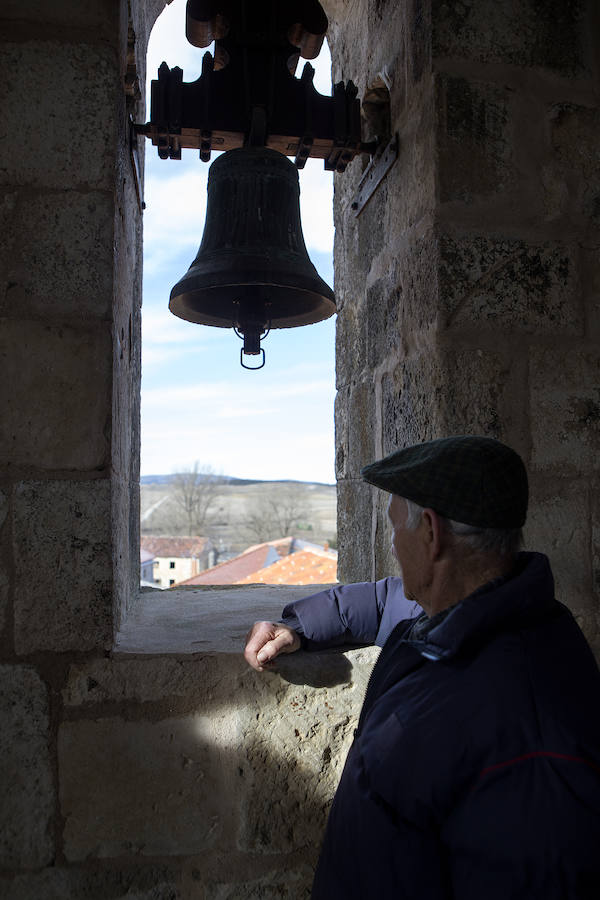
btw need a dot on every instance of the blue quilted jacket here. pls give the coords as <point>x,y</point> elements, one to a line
<point>363,613</point>
<point>475,769</point>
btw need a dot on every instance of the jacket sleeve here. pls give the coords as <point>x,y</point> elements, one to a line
<point>345,614</point>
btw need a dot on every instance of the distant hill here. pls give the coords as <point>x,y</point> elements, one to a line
<point>223,479</point>
<point>230,479</point>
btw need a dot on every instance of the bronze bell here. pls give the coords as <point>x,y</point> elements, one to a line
<point>252,271</point>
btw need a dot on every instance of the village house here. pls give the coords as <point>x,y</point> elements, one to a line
<point>147,568</point>
<point>176,558</point>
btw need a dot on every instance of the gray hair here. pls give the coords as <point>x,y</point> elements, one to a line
<point>502,541</point>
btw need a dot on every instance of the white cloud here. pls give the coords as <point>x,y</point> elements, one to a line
<point>169,44</point>
<point>160,326</point>
<point>249,450</point>
<point>316,206</point>
<point>174,217</point>
<point>246,395</point>
<point>244,412</point>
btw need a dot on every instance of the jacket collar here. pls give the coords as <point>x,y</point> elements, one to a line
<point>525,596</point>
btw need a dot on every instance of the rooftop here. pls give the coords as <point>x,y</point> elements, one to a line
<point>175,547</point>
<point>303,567</point>
<point>251,560</point>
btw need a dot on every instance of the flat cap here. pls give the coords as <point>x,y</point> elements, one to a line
<point>469,478</point>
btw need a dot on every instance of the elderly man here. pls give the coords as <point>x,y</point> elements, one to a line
<point>475,768</point>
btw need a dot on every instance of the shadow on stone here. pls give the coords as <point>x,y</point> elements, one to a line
<point>327,668</point>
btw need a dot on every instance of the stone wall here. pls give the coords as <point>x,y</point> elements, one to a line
<point>468,286</point>
<point>172,769</point>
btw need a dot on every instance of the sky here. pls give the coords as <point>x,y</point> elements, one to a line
<point>198,404</point>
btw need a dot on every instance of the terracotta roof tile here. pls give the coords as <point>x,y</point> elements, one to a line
<point>283,545</point>
<point>175,547</point>
<point>303,567</point>
<point>230,571</point>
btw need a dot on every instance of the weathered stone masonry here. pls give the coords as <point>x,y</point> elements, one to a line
<point>468,293</point>
<point>468,286</point>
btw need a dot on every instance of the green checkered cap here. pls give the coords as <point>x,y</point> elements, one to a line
<point>468,478</point>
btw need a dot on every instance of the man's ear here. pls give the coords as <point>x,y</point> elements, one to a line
<point>433,533</point>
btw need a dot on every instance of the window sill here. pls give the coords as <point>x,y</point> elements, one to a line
<point>202,620</point>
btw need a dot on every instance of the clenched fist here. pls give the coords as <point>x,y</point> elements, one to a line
<point>266,640</point>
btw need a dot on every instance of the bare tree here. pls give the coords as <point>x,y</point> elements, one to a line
<point>277,514</point>
<point>195,490</point>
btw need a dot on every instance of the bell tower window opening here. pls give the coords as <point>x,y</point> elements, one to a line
<point>197,404</point>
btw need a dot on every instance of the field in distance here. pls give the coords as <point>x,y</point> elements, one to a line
<point>240,513</point>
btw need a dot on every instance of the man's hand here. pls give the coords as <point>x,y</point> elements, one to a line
<point>266,640</point>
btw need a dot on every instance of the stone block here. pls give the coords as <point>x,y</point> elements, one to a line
<point>442,392</point>
<point>4,580</point>
<point>558,524</point>
<point>516,32</point>
<point>412,187</point>
<point>67,130</point>
<point>62,257</point>
<point>474,393</point>
<point>382,321</point>
<point>574,139</point>
<point>8,201</point>
<point>350,345</point>
<point>341,433</point>
<point>407,414</point>
<point>4,600</point>
<point>292,746</point>
<point>507,283</point>
<point>565,404</point>
<point>62,377</point>
<point>385,562</point>
<point>355,562</point>
<point>153,679</point>
<point>397,310</point>
<point>3,508</point>
<point>371,231</point>
<point>418,42</point>
<point>280,884</point>
<point>150,882</point>
<point>28,803</point>
<point>62,552</point>
<point>415,274</point>
<point>590,282</point>
<point>361,426</point>
<point>149,788</point>
<point>474,146</point>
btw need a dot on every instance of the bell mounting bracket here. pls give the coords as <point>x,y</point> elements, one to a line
<point>257,47</point>
<point>374,174</point>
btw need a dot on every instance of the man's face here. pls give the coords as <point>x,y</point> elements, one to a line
<point>406,547</point>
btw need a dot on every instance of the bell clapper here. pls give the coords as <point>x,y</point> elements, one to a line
<point>250,327</point>
<point>252,368</point>
<point>251,336</point>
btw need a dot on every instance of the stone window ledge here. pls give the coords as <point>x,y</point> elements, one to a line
<point>202,620</point>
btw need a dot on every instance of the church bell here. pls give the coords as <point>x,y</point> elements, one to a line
<point>252,271</point>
